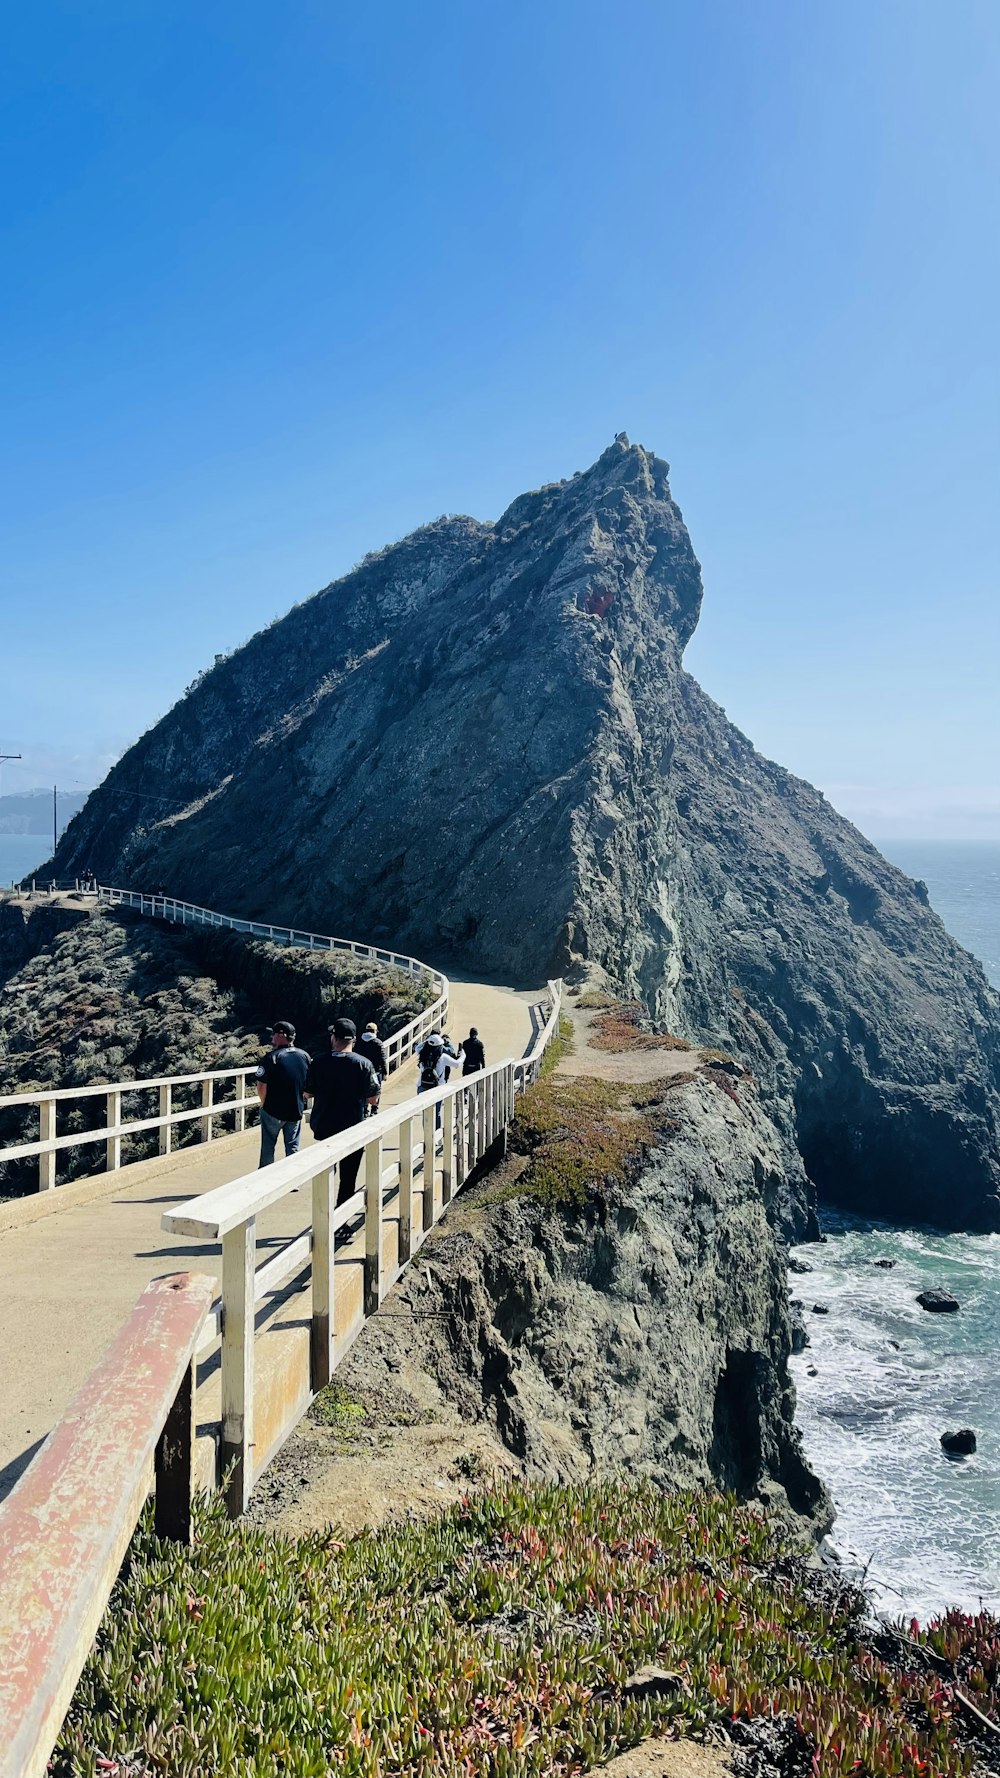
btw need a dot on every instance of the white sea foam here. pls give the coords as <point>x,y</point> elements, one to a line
<point>890,1379</point>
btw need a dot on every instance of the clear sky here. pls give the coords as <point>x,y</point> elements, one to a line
<point>282,281</point>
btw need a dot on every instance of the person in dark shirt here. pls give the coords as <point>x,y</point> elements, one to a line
<point>373,1051</point>
<point>474,1052</point>
<point>343,1085</point>
<point>281,1087</point>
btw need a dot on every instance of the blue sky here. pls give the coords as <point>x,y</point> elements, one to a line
<point>283,281</point>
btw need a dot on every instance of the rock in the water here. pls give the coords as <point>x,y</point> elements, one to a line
<point>886,1265</point>
<point>798,1265</point>
<point>811,1371</point>
<point>959,1444</point>
<point>821,1308</point>
<point>938,1302</point>
<point>800,1338</point>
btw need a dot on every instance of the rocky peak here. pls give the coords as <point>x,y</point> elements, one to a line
<point>612,535</point>
<point>489,754</point>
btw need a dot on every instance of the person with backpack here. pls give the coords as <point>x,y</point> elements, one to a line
<point>281,1089</point>
<point>431,1068</point>
<point>473,1052</point>
<point>430,1063</point>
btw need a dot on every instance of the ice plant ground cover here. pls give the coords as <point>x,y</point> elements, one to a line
<point>499,1639</point>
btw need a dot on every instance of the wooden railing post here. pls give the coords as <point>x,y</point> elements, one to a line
<point>448,1156</point>
<point>241,1093</point>
<point>47,1133</point>
<point>461,1101</point>
<point>113,1145</point>
<point>207,1099</point>
<point>239,1248</point>
<point>166,1131</point>
<point>472,1154</point>
<point>174,1465</point>
<point>429,1136</point>
<point>324,1248</point>
<point>373,1225</point>
<point>405,1188</point>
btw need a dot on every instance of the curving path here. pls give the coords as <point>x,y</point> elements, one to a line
<point>73,1262</point>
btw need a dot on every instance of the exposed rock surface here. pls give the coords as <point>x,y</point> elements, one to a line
<point>959,1444</point>
<point>646,1329</point>
<point>939,1302</point>
<point>485,749</point>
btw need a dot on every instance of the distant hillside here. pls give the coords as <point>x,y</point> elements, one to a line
<point>30,811</point>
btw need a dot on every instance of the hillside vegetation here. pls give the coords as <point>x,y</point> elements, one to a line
<point>509,1636</point>
<point>116,996</point>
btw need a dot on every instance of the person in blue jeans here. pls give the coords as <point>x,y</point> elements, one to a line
<point>281,1081</point>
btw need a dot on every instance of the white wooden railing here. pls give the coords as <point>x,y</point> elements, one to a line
<point>243,1098</point>
<point>65,1526</point>
<point>411,1172</point>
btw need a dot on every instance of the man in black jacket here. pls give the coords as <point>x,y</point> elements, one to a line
<point>281,1089</point>
<point>344,1086</point>
<point>373,1051</point>
<point>474,1052</point>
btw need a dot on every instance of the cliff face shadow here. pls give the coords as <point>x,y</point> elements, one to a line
<point>735,1454</point>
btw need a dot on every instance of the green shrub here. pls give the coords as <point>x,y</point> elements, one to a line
<point>341,1410</point>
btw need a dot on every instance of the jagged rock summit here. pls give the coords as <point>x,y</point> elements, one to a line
<point>481,745</point>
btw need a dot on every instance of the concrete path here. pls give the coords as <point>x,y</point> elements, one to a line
<point>73,1261</point>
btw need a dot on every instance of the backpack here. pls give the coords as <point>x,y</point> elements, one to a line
<point>429,1057</point>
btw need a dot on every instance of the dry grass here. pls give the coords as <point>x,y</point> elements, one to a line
<point>582,1138</point>
<point>620,1027</point>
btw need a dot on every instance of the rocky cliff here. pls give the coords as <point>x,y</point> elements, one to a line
<point>639,1322</point>
<point>483,746</point>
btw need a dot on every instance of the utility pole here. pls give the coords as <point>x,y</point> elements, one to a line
<point>55,823</point>
<point>3,757</point>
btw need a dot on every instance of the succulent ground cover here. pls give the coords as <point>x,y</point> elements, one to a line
<point>501,1639</point>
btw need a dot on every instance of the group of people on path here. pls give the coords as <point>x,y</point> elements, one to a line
<point>344,1085</point>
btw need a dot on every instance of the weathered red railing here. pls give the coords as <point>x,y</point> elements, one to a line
<point>65,1526</point>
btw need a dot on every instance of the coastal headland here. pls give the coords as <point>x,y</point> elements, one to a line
<point>487,751</point>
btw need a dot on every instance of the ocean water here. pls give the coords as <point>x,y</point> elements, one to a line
<point>889,1377</point>
<point>20,853</point>
<point>963,881</point>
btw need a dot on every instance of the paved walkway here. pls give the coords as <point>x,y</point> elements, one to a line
<point>73,1262</point>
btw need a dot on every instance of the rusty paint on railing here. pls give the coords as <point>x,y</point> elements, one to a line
<point>66,1524</point>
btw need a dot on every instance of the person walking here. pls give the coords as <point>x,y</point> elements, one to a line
<point>344,1086</point>
<point>474,1051</point>
<point>373,1051</point>
<point>452,1056</point>
<point>431,1063</point>
<point>281,1089</point>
